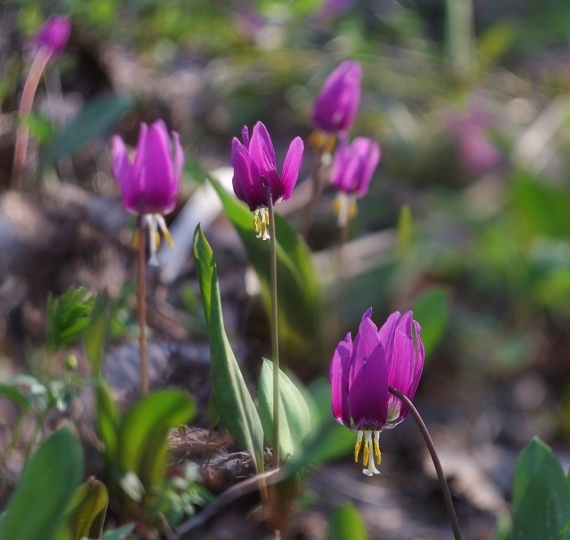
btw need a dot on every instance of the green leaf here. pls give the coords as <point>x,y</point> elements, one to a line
<point>95,334</point>
<point>405,231</point>
<point>143,433</point>
<point>299,291</point>
<point>432,310</point>
<point>294,413</point>
<point>98,116</point>
<point>107,421</point>
<point>17,396</point>
<point>345,523</point>
<point>88,508</point>
<point>37,507</point>
<point>233,402</point>
<point>118,534</point>
<point>541,498</point>
<point>67,316</point>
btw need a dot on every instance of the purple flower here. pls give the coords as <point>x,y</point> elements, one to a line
<point>361,372</point>
<point>476,152</point>
<point>54,34</point>
<point>335,106</point>
<point>352,170</point>
<point>150,184</point>
<point>255,170</point>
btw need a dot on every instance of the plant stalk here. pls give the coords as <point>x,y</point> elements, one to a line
<point>26,102</point>
<point>436,462</point>
<point>141,305</point>
<point>274,327</point>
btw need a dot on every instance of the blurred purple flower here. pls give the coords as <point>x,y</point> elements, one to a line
<point>150,184</point>
<point>255,170</point>
<point>476,152</point>
<point>332,9</point>
<point>352,170</point>
<point>53,35</point>
<point>361,372</point>
<point>335,106</point>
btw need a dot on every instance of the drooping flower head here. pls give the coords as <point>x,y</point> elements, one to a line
<point>335,106</point>
<point>352,170</point>
<point>54,34</point>
<point>361,372</point>
<point>150,184</point>
<point>256,176</point>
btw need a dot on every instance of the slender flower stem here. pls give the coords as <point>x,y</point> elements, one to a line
<point>274,326</point>
<point>437,464</point>
<point>26,102</point>
<point>141,304</point>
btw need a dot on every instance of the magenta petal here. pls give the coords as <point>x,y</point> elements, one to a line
<point>158,173</point>
<point>368,393</point>
<point>246,177</point>
<point>387,331</point>
<point>245,136</point>
<point>291,166</point>
<point>370,162</point>
<point>365,342</point>
<point>141,150</point>
<point>339,369</point>
<point>261,149</point>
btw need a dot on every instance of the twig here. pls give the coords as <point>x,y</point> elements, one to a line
<point>437,464</point>
<point>141,305</point>
<point>230,495</point>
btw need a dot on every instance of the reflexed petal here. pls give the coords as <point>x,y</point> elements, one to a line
<point>339,370</point>
<point>367,314</point>
<point>291,166</point>
<point>245,136</point>
<point>368,392</point>
<point>387,331</point>
<point>370,161</point>
<point>141,150</point>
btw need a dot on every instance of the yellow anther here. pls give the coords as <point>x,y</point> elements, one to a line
<point>157,239</point>
<point>366,454</point>
<point>263,229</point>
<point>266,218</point>
<point>168,238</point>
<point>321,141</point>
<point>352,209</point>
<point>357,449</point>
<point>136,239</point>
<point>377,452</point>
<point>256,224</point>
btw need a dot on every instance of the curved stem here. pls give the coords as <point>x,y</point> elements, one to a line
<point>435,458</point>
<point>274,327</point>
<point>26,102</point>
<point>141,305</point>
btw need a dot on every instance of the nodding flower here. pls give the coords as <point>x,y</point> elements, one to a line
<point>149,185</point>
<point>53,35</point>
<point>361,372</point>
<point>256,177</point>
<point>352,170</point>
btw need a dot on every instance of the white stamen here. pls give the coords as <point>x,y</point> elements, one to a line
<point>152,223</point>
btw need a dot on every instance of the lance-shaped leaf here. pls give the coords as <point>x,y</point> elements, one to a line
<point>232,399</point>
<point>298,289</point>
<point>88,508</point>
<point>95,333</point>
<point>37,507</point>
<point>294,412</point>
<point>541,498</point>
<point>143,433</point>
<point>345,523</point>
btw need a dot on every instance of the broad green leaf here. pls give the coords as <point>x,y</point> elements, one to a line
<point>95,333</point>
<point>88,508</point>
<point>107,421</point>
<point>37,507</point>
<point>233,402</point>
<point>143,433</point>
<point>299,291</point>
<point>431,310</point>
<point>98,116</point>
<point>541,498</point>
<point>67,316</point>
<point>16,395</point>
<point>345,523</point>
<point>294,412</point>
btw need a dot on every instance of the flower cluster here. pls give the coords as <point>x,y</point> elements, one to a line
<point>256,179</point>
<point>352,164</point>
<point>150,184</point>
<point>361,373</point>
